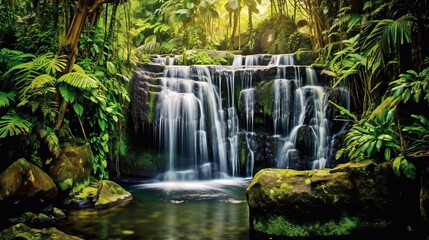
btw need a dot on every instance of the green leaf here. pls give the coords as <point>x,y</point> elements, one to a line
<point>68,94</point>
<point>78,109</point>
<point>345,111</point>
<point>11,125</point>
<point>102,124</point>
<point>408,168</point>
<point>396,165</point>
<point>387,154</point>
<point>111,67</point>
<point>5,98</point>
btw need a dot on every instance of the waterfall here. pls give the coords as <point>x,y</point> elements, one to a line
<point>205,117</point>
<point>166,60</point>
<point>249,60</point>
<point>300,109</point>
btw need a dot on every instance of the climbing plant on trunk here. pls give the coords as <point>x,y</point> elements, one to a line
<point>69,45</point>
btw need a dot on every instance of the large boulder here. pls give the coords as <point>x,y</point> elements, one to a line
<point>23,181</point>
<point>74,165</point>
<point>102,194</point>
<point>110,193</point>
<point>327,202</point>
<point>22,231</point>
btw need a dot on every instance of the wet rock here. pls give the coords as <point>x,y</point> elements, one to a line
<point>74,165</point>
<point>43,221</point>
<point>327,202</point>
<point>110,193</point>
<point>27,217</point>
<point>24,181</point>
<point>341,97</point>
<point>22,231</point>
<point>102,194</point>
<point>57,213</point>
<point>304,144</point>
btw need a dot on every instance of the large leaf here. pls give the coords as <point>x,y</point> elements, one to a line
<point>11,125</point>
<point>78,109</point>
<point>5,98</point>
<point>79,80</point>
<point>345,111</point>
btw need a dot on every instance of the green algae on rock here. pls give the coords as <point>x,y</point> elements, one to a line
<point>74,165</point>
<point>25,181</point>
<point>102,194</point>
<point>326,202</point>
<point>22,231</point>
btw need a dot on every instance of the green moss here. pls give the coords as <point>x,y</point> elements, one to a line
<point>154,81</point>
<point>306,57</point>
<point>277,225</point>
<point>66,184</point>
<point>265,94</point>
<point>243,155</point>
<point>151,104</point>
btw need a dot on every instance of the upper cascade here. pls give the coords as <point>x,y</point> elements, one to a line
<point>211,121</point>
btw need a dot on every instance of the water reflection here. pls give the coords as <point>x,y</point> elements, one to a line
<point>214,209</point>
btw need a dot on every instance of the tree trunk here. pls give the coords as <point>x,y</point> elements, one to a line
<point>70,44</point>
<point>234,29</point>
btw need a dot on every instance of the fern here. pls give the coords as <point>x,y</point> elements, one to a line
<point>5,98</point>
<point>51,139</point>
<point>78,78</point>
<point>56,65</point>
<point>11,125</point>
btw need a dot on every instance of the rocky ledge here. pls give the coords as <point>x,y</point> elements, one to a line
<point>351,198</point>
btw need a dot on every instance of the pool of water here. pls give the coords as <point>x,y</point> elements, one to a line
<point>214,209</point>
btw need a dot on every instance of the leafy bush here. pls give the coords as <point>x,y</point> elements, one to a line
<point>367,140</point>
<point>203,58</point>
<point>412,85</point>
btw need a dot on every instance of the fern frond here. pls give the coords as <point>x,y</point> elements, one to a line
<point>56,65</point>
<point>79,80</point>
<point>11,125</point>
<point>5,98</point>
<point>51,140</point>
<point>37,83</point>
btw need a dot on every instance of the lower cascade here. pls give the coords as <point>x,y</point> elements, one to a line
<point>231,121</point>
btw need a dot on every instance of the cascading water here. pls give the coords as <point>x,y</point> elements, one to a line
<point>205,117</point>
<point>166,60</point>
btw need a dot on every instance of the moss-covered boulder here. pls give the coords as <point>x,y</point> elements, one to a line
<point>24,181</point>
<point>306,57</point>
<point>327,202</point>
<point>110,193</point>
<point>74,165</point>
<point>22,231</point>
<point>102,194</point>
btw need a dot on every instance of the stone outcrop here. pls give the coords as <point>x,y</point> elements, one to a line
<point>24,181</point>
<point>22,231</point>
<point>74,165</point>
<point>328,202</point>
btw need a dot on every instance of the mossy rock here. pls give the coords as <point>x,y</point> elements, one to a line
<point>74,165</point>
<point>101,194</point>
<point>326,202</point>
<point>110,193</point>
<point>306,57</point>
<point>22,231</point>
<point>24,181</point>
